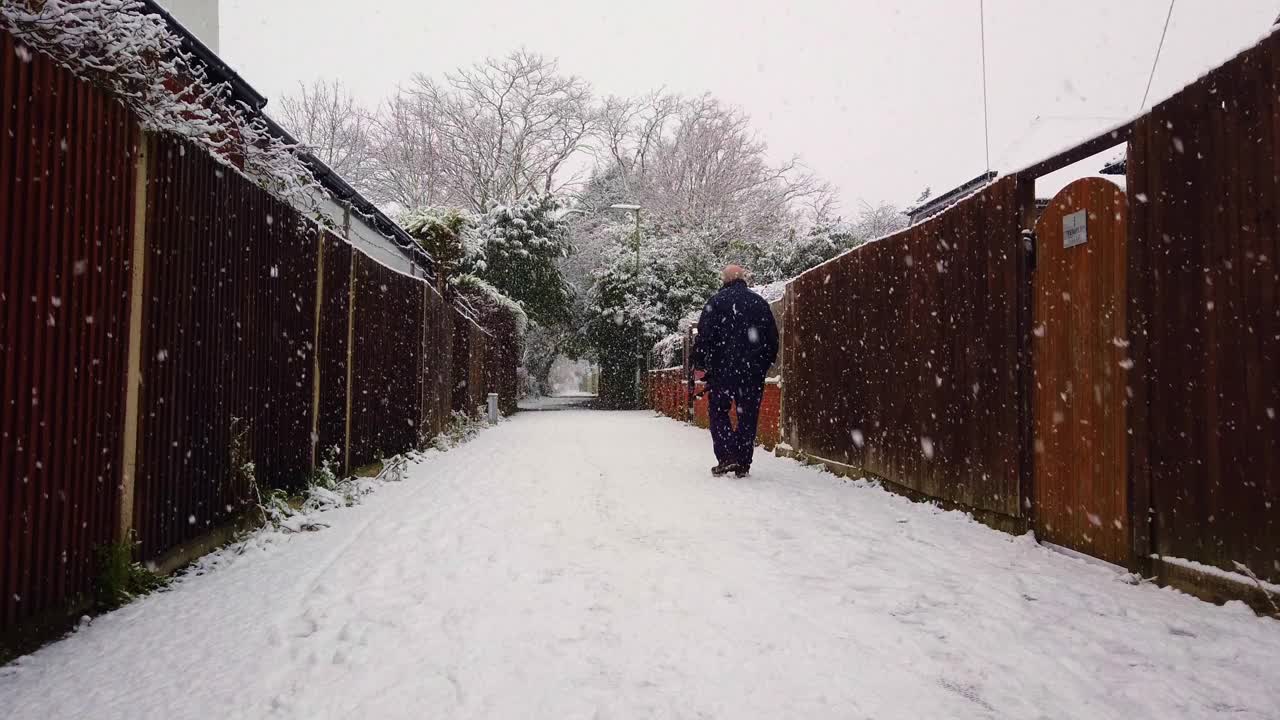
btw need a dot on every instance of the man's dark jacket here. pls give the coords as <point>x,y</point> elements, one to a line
<point>737,338</point>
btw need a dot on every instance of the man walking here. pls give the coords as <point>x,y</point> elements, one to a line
<point>737,342</point>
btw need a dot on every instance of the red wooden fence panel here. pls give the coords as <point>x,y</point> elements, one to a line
<point>334,320</point>
<point>228,332</point>
<point>902,355</point>
<point>228,327</point>
<point>502,360</point>
<point>477,377</point>
<point>460,392</point>
<point>386,378</point>
<point>1204,309</point>
<point>66,228</point>
<point>438,361</point>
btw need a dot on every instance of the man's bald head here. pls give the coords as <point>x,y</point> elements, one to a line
<point>732,273</point>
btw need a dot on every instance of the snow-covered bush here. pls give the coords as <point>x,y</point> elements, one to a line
<point>461,428</point>
<point>487,300</point>
<point>510,253</point>
<point>120,47</point>
<point>449,235</point>
<point>667,351</point>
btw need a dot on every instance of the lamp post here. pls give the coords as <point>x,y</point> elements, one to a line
<point>639,398</point>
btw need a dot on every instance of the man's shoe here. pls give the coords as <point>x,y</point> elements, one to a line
<point>724,469</point>
<point>741,470</point>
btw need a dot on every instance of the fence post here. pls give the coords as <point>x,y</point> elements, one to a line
<point>133,374</point>
<point>315,346</point>
<point>690,384</point>
<point>351,340</point>
<point>427,389</point>
<point>1024,246</point>
<point>1142,518</point>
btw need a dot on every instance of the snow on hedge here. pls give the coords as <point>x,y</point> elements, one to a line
<point>118,46</point>
<point>773,292</point>
<point>477,291</point>
<point>666,348</point>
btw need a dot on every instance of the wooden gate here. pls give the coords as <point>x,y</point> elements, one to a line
<point>1080,364</point>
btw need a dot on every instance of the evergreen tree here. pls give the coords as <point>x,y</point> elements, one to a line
<point>519,253</point>
<point>629,312</point>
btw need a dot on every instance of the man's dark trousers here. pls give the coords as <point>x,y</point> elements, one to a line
<point>735,446</point>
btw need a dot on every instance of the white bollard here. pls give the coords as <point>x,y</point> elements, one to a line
<point>493,408</point>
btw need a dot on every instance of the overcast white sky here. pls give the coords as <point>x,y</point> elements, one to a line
<point>882,97</point>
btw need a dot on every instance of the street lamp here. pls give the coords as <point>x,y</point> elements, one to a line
<point>636,209</point>
<point>627,207</point>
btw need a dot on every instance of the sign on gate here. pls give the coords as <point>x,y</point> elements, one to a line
<point>1075,229</point>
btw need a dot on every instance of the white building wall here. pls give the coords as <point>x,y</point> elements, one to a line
<point>198,16</point>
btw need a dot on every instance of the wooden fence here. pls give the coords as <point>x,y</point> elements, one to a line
<point>667,392</point>
<point>387,352</point>
<point>66,228</point>
<point>164,321</point>
<point>227,325</point>
<point>1204,304</point>
<point>1108,375</point>
<point>903,356</point>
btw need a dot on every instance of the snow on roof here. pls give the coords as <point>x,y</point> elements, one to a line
<point>1049,135</point>
<point>1045,137</point>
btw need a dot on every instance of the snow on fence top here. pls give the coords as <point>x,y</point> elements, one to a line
<point>118,46</point>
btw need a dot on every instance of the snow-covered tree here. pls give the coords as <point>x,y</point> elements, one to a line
<point>327,120</point>
<point>506,127</point>
<point>699,170</point>
<point>630,311</point>
<point>877,221</point>
<point>519,252</point>
<point>407,156</point>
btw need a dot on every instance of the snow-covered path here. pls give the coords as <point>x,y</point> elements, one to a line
<point>581,564</point>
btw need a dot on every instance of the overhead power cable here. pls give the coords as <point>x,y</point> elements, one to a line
<point>1146,93</point>
<point>986,125</point>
